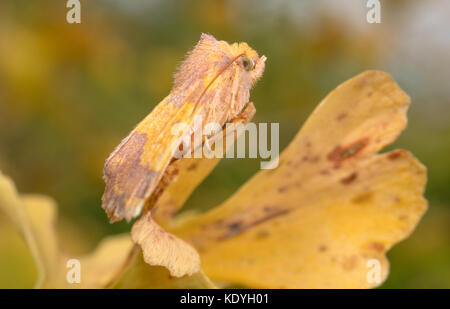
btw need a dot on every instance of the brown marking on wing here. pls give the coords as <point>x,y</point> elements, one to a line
<point>126,176</point>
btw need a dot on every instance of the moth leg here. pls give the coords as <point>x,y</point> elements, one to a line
<point>234,114</point>
<point>232,109</point>
<point>243,113</point>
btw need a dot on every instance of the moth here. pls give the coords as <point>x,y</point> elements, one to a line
<point>213,82</point>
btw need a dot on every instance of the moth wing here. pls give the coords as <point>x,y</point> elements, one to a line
<point>137,165</point>
<point>134,169</point>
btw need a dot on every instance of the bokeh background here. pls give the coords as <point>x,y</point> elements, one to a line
<point>70,92</point>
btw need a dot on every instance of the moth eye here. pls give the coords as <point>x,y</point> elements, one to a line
<point>247,63</point>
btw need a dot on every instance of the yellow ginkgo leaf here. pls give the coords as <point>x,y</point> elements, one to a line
<point>12,206</point>
<point>139,275</point>
<point>96,269</point>
<point>35,217</point>
<point>327,215</point>
<point>41,215</point>
<point>17,267</point>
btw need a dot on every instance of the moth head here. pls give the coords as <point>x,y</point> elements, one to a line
<point>247,63</point>
<point>258,69</point>
<point>249,60</point>
<point>211,56</point>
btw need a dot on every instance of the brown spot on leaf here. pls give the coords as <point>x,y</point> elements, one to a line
<point>376,246</point>
<point>234,228</point>
<point>314,159</point>
<point>341,153</point>
<point>397,154</point>
<point>192,167</point>
<point>362,198</point>
<point>283,188</point>
<point>350,263</point>
<point>323,248</point>
<point>349,179</point>
<point>397,199</point>
<point>262,234</point>
<point>341,116</point>
<point>324,172</point>
<point>237,227</point>
<point>403,217</point>
<point>363,81</point>
<point>311,159</point>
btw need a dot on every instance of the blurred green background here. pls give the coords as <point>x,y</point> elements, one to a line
<point>70,92</point>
